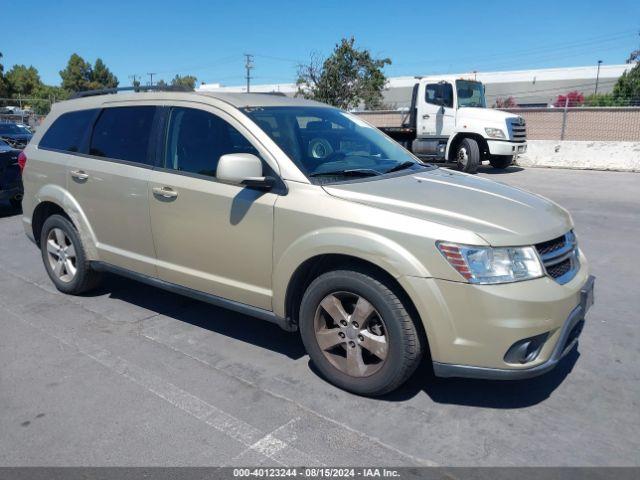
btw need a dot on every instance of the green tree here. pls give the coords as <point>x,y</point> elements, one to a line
<point>601,100</point>
<point>22,80</point>
<point>101,76</point>
<point>76,77</point>
<point>346,79</point>
<point>47,95</point>
<point>4,90</point>
<point>627,88</point>
<point>187,82</point>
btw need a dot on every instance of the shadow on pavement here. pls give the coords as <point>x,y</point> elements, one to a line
<point>215,319</point>
<point>488,169</point>
<point>505,394</point>
<point>459,391</point>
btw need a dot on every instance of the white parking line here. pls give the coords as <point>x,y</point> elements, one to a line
<point>249,436</point>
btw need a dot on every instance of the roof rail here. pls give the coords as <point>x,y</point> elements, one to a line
<point>141,88</point>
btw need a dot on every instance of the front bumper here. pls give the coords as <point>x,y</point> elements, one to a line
<point>475,325</point>
<point>501,147</point>
<point>567,339</point>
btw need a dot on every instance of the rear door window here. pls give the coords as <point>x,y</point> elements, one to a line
<point>68,131</point>
<point>123,133</point>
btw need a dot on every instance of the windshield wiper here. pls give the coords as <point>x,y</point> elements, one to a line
<point>354,172</point>
<point>401,166</point>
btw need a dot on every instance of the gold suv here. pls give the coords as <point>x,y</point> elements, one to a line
<point>306,216</point>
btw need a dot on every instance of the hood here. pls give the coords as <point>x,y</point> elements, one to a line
<point>487,114</point>
<point>502,215</point>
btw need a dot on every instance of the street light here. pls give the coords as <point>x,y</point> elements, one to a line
<point>597,77</point>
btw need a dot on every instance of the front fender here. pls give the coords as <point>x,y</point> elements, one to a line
<point>457,134</point>
<point>364,245</point>
<point>61,197</point>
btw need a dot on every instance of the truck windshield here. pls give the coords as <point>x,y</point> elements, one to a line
<point>330,145</point>
<point>470,94</point>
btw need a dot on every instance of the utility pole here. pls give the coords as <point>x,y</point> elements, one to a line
<point>151,74</point>
<point>597,77</point>
<point>249,66</point>
<point>133,78</point>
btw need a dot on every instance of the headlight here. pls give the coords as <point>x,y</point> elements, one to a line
<point>492,265</point>
<point>494,133</point>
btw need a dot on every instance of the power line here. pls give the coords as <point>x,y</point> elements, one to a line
<point>151,74</point>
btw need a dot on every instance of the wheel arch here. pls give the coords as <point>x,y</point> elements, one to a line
<point>457,138</point>
<point>51,200</point>
<point>319,264</point>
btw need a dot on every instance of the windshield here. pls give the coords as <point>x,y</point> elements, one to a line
<point>470,94</point>
<point>10,128</point>
<point>329,145</point>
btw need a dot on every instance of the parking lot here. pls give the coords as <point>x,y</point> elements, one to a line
<point>132,375</point>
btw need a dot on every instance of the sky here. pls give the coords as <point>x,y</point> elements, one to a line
<point>207,39</point>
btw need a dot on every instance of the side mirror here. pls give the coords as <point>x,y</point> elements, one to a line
<point>243,169</point>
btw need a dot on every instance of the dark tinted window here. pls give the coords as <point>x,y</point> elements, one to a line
<point>68,131</point>
<point>197,139</point>
<point>439,94</point>
<point>123,133</point>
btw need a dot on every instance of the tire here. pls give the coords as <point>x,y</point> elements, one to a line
<point>468,155</point>
<point>59,231</point>
<point>403,344</point>
<point>501,161</point>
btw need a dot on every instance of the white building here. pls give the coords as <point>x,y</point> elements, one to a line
<point>538,87</point>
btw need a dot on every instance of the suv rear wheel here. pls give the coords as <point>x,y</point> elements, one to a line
<point>468,155</point>
<point>358,333</point>
<point>64,257</point>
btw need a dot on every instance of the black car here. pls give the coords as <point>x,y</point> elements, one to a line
<point>10,175</point>
<point>14,135</point>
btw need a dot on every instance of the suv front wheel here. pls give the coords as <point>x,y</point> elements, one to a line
<point>64,257</point>
<point>358,333</point>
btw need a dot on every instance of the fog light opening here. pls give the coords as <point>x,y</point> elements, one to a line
<point>526,350</point>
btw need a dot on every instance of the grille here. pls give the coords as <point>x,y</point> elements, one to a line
<point>550,246</point>
<point>559,269</point>
<point>560,257</point>
<point>518,130</point>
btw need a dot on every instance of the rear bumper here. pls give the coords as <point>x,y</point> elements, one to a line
<point>10,192</point>
<point>506,148</point>
<point>567,339</point>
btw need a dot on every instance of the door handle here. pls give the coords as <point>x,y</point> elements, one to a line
<point>164,192</point>
<point>79,174</point>
<point>425,116</point>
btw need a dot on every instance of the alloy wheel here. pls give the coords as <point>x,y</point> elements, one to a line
<point>351,334</point>
<point>463,156</point>
<point>61,254</point>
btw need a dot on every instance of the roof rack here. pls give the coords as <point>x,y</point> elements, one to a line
<point>141,88</point>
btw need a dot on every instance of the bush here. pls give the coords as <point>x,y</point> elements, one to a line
<point>575,99</point>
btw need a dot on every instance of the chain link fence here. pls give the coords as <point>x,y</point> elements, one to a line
<point>620,124</point>
<point>28,111</point>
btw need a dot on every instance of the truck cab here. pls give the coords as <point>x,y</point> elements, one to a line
<point>449,121</point>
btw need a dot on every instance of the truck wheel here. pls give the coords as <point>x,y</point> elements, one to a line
<point>64,257</point>
<point>358,333</point>
<point>468,155</point>
<point>501,161</point>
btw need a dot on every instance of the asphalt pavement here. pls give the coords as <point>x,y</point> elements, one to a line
<point>132,375</point>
